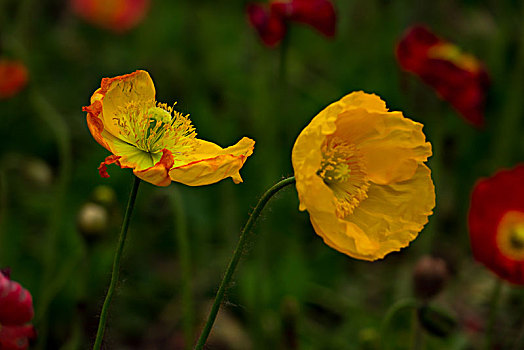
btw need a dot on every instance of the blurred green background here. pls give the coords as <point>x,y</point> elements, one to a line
<point>291,291</point>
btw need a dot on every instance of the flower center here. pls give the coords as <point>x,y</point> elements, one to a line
<point>342,169</point>
<point>152,127</point>
<point>510,235</point>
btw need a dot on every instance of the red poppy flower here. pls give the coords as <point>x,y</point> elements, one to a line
<point>115,15</point>
<point>457,77</point>
<point>320,14</point>
<point>496,224</point>
<point>16,337</point>
<point>13,77</point>
<point>16,309</point>
<point>271,21</point>
<point>16,303</point>
<point>269,25</point>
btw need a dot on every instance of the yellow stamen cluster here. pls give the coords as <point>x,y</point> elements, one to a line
<point>152,127</point>
<point>510,237</point>
<point>342,169</point>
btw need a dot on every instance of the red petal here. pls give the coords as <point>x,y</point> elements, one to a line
<point>102,169</point>
<point>270,26</point>
<point>492,198</point>
<point>16,338</point>
<point>16,303</point>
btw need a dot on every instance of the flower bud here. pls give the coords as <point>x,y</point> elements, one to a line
<point>368,339</point>
<point>104,195</point>
<point>429,277</point>
<point>38,173</point>
<point>92,220</point>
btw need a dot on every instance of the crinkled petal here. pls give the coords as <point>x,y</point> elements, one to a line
<point>392,146</point>
<point>210,163</point>
<point>117,93</point>
<point>306,155</point>
<point>388,220</point>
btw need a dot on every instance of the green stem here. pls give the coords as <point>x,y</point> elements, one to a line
<point>236,258</point>
<point>416,333</point>
<point>284,48</point>
<point>48,113</point>
<point>507,125</point>
<point>493,304</point>
<point>116,265</point>
<point>185,267</point>
<point>393,310</point>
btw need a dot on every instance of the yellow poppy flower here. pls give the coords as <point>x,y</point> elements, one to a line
<point>360,174</point>
<point>158,143</point>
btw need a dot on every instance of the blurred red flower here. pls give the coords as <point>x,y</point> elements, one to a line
<point>269,25</point>
<point>457,77</point>
<point>13,77</point>
<point>16,337</point>
<point>496,223</point>
<point>16,310</point>
<point>271,21</point>
<point>116,15</point>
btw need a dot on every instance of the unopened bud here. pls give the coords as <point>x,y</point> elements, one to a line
<point>429,277</point>
<point>368,339</point>
<point>104,195</point>
<point>37,172</point>
<point>92,219</point>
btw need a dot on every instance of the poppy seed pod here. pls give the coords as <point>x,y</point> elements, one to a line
<point>429,277</point>
<point>92,219</point>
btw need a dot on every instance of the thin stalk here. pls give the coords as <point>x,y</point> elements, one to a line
<point>184,254</point>
<point>401,305</point>
<point>116,265</point>
<point>507,125</point>
<point>282,62</point>
<point>493,305</point>
<point>416,332</point>
<point>49,114</point>
<point>236,258</point>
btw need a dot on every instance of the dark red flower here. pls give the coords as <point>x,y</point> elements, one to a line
<point>320,14</point>
<point>457,77</point>
<point>496,223</point>
<point>269,25</point>
<point>16,337</point>
<point>13,77</point>
<point>16,310</point>
<point>271,21</point>
<point>116,15</point>
<point>16,303</point>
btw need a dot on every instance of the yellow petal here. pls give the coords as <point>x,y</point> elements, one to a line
<point>210,163</point>
<point>391,145</point>
<point>306,155</point>
<point>360,99</point>
<point>393,215</point>
<point>118,92</point>
<point>158,174</point>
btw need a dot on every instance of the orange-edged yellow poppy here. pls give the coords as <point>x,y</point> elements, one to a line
<point>158,143</point>
<point>360,174</point>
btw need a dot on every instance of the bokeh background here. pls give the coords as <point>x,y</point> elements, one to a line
<point>291,291</point>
